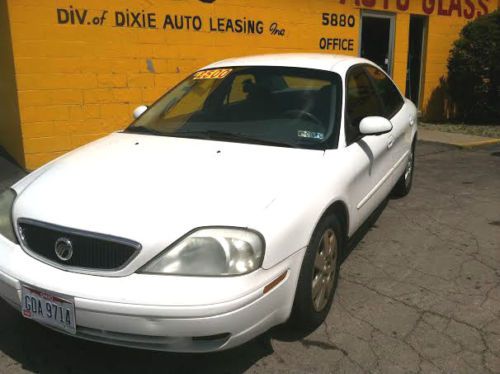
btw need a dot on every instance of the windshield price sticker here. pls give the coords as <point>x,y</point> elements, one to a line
<point>212,74</point>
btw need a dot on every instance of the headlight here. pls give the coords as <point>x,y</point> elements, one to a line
<point>6,201</point>
<point>211,252</point>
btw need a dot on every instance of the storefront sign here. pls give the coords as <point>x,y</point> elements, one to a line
<point>458,8</point>
<point>168,22</point>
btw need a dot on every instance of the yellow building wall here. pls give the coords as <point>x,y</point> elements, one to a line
<point>10,130</point>
<point>79,75</point>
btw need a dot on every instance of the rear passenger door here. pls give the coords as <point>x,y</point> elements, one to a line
<point>393,109</point>
<point>369,154</point>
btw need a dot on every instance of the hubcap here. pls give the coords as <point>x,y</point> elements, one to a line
<point>324,270</point>
<point>409,168</point>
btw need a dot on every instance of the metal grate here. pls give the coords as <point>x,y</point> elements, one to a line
<point>89,250</point>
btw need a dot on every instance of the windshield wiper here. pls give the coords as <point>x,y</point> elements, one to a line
<point>222,135</point>
<point>143,130</point>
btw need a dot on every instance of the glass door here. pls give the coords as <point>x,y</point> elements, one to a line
<point>377,38</point>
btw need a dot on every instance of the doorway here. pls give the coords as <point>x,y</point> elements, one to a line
<point>416,55</point>
<point>377,38</point>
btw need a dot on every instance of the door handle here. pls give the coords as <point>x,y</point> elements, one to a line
<point>412,121</point>
<point>390,142</point>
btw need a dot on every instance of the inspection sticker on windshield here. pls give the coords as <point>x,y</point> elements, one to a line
<point>310,134</point>
<point>212,74</point>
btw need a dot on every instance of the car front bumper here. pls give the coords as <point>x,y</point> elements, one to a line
<point>167,313</point>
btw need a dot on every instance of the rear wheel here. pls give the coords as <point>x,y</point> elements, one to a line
<point>319,275</point>
<point>403,186</point>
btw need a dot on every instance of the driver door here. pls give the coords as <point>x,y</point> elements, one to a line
<point>369,154</point>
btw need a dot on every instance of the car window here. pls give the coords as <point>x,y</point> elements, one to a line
<point>251,104</point>
<point>389,94</point>
<point>300,83</point>
<point>361,101</point>
<point>183,104</point>
<point>239,88</point>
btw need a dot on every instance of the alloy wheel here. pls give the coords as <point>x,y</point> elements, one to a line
<point>324,270</point>
<point>409,168</point>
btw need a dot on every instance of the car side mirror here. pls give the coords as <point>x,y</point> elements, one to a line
<point>139,110</point>
<point>375,126</point>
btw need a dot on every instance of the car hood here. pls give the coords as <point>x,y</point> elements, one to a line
<point>154,189</point>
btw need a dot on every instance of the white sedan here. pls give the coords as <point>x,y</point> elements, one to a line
<point>222,210</point>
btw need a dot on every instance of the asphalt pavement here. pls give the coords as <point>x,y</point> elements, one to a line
<point>420,293</point>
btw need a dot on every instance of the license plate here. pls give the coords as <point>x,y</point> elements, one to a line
<point>47,308</point>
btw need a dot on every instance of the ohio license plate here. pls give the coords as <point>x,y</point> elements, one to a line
<point>48,308</point>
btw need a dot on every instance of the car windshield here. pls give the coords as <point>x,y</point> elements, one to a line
<point>281,106</point>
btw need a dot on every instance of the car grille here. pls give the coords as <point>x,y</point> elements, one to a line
<point>89,250</point>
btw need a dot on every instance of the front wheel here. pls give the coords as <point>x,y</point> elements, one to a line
<point>318,275</point>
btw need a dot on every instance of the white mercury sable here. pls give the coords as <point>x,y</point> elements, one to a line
<point>223,210</point>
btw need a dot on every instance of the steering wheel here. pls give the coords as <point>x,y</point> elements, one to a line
<point>297,113</point>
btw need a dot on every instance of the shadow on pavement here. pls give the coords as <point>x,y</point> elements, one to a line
<point>10,172</point>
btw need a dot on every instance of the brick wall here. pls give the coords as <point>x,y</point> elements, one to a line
<point>78,82</point>
<point>10,125</point>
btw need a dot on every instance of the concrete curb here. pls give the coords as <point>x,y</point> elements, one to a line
<point>464,146</point>
<point>456,139</point>
<point>477,144</point>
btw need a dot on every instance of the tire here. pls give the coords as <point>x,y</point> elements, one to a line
<point>403,186</point>
<point>318,275</point>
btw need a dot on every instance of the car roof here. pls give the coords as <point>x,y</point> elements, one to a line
<point>321,61</point>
